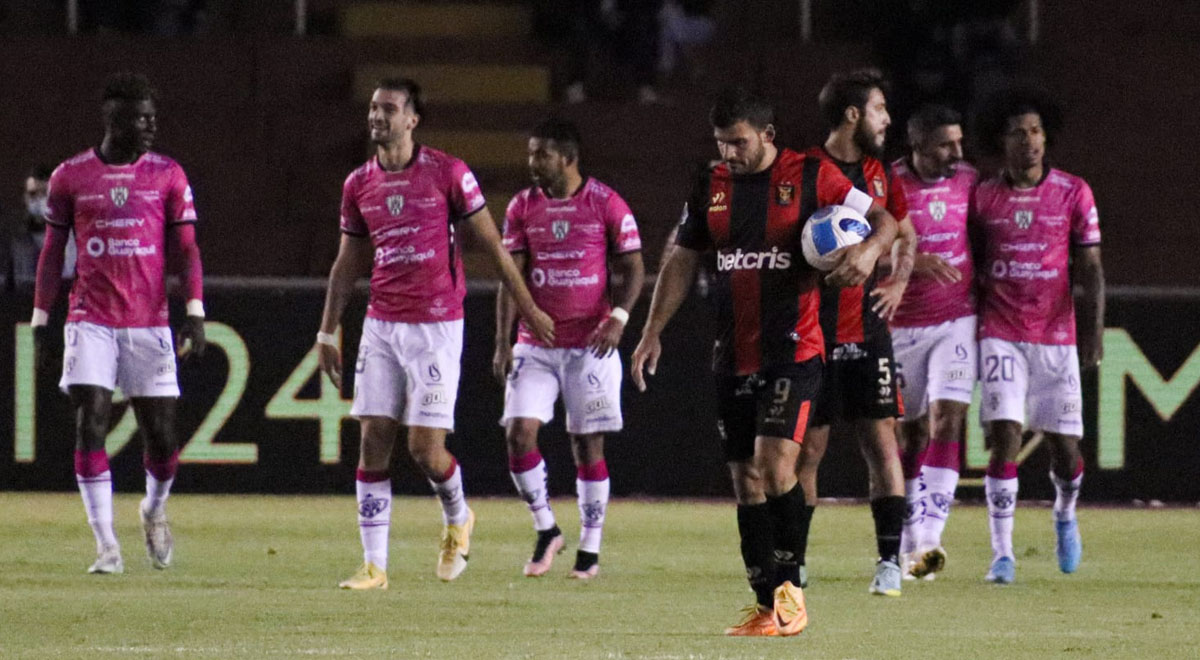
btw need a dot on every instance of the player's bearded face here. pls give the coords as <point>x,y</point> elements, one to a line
<point>944,149</point>
<point>547,166</point>
<point>743,147</point>
<point>391,116</point>
<point>1024,141</point>
<point>872,125</point>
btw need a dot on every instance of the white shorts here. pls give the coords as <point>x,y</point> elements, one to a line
<point>141,361</point>
<point>1037,384</point>
<point>590,386</point>
<point>936,363</point>
<point>408,372</point>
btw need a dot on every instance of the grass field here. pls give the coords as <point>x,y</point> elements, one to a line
<point>254,577</point>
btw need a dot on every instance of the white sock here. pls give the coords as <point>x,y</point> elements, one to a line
<point>454,502</point>
<point>914,505</point>
<point>1066,494</point>
<point>156,494</point>
<point>1002,505</point>
<point>374,519</point>
<point>593,504</point>
<point>940,484</point>
<point>98,503</point>
<point>531,485</point>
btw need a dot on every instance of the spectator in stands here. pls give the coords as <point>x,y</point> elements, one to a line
<point>29,233</point>
<point>684,26</point>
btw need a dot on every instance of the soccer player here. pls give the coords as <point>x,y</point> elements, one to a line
<point>1040,233</point>
<point>132,214</point>
<point>561,233</point>
<point>400,216</point>
<point>933,331</point>
<point>860,389</point>
<point>750,209</point>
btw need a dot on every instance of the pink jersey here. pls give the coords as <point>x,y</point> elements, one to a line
<point>410,216</point>
<point>568,242</point>
<point>120,214</point>
<point>938,211</point>
<point>1028,234</point>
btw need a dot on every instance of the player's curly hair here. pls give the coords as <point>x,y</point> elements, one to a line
<point>565,134</point>
<point>848,89</point>
<point>129,86</point>
<point>734,104</point>
<point>991,117</point>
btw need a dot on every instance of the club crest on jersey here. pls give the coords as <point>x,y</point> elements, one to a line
<point>395,204</point>
<point>937,210</point>
<point>877,186</point>
<point>784,194</point>
<point>1023,219</point>
<point>560,228</point>
<point>119,195</point>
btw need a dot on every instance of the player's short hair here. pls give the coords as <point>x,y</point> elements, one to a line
<point>734,104</point>
<point>411,90</point>
<point>927,119</point>
<point>41,172</point>
<point>565,134</point>
<point>848,89</point>
<point>991,119</point>
<point>130,87</point>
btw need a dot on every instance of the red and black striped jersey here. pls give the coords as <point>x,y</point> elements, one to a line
<point>765,293</point>
<point>846,314</point>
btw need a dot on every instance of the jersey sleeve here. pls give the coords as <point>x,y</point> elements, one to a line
<point>693,226</point>
<point>832,186</point>
<point>897,201</point>
<point>622,229</point>
<point>352,221</point>
<point>464,193</point>
<point>179,205</point>
<point>60,204</point>
<point>514,226</point>
<point>1085,220</point>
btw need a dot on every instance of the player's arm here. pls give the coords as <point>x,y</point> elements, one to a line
<point>506,315</point>
<point>674,279</point>
<point>354,258</point>
<point>857,262</point>
<point>186,257</point>
<point>538,322</point>
<point>902,259</point>
<point>46,285</point>
<point>1089,273</point>
<point>630,274</point>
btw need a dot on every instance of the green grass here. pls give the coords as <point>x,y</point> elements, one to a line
<point>254,578</point>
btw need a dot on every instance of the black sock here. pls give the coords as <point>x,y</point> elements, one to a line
<point>758,547</point>
<point>585,560</point>
<point>787,514</point>
<point>889,522</point>
<point>805,523</point>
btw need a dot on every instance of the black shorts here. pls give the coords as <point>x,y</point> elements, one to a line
<point>860,382</point>
<point>774,402</point>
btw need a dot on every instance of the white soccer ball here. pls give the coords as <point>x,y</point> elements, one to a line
<point>828,231</point>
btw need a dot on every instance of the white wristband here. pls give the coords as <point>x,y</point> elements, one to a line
<point>195,307</point>
<point>40,318</point>
<point>327,339</point>
<point>620,315</point>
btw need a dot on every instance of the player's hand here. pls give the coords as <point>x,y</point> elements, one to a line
<point>190,338</point>
<point>329,358</point>
<point>502,361</point>
<point>540,324</point>
<point>937,268</point>
<point>46,347</point>
<point>887,297</point>
<point>1091,351</point>
<point>645,355</point>
<point>855,264</point>
<point>604,339</point>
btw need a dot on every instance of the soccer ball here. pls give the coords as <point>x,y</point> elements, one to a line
<point>828,231</point>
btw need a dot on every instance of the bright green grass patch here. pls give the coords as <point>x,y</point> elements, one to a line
<point>254,577</point>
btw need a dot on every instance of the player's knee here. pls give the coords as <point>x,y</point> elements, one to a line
<point>587,449</point>
<point>521,436</point>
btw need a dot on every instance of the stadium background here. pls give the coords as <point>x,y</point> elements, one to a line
<point>267,124</point>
